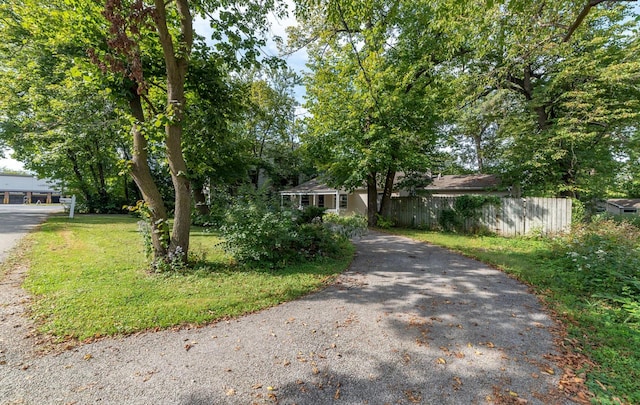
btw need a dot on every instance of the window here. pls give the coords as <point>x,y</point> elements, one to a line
<point>343,201</point>
<point>304,200</point>
<point>321,201</point>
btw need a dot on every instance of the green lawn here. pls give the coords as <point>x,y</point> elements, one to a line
<point>594,327</point>
<point>89,279</point>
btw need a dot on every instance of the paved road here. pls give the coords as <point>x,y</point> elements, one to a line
<point>408,323</point>
<point>17,220</point>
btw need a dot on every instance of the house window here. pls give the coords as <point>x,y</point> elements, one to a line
<point>321,201</point>
<point>304,200</point>
<point>343,201</point>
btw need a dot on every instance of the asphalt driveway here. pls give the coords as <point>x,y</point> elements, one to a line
<point>18,220</point>
<point>408,323</point>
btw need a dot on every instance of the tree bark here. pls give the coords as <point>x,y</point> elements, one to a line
<point>141,174</point>
<point>176,64</point>
<point>385,204</point>
<point>372,199</point>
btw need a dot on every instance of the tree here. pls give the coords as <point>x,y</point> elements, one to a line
<point>237,28</point>
<point>60,121</point>
<point>573,91</point>
<point>374,90</point>
<point>269,124</point>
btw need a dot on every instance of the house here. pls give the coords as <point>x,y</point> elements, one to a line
<point>318,194</point>
<point>461,184</point>
<point>25,189</point>
<point>620,206</point>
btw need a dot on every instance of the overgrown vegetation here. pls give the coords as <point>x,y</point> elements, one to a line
<point>90,280</point>
<point>466,212</point>
<point>590,278</point>
<point>259,231</point>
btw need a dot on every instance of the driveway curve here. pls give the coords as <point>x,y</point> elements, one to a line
<point>407,323</point>
<point>17,220</point>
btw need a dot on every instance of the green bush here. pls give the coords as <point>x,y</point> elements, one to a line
<point>309,214</point>
<point>348,226</point>
<point>603,257</point>
<point>257,233</point>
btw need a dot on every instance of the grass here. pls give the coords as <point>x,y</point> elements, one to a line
<point>88,276</point>
<point>592,325</point>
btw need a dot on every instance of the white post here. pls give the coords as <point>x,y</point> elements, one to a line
<point>73,206</point>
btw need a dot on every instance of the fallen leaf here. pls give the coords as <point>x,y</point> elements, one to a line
<point>490,345</point>
<point>413,396</point>
<point>441,360</point>
<point>337,395</point>
<point>270,388</point>
<point>549,371</point>
<point>256,386</point>
<point>87,356</point>
<point>231,392</point>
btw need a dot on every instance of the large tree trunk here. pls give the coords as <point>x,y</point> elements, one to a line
<point>176,64</point>
<point>385,204</point>
<point>372,199</point>
<point>141,174</point>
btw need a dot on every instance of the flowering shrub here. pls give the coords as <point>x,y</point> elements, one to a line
<point>604,258</point>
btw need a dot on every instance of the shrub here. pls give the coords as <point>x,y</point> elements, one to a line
<point>256,233</point>
<point>603,257</point>
<point>347,226</point>
<point>309,214</point>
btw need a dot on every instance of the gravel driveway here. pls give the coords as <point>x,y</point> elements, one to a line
<point>408,323</point>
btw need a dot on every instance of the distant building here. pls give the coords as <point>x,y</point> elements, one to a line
<point>620,206</point>
<point>25,189</point>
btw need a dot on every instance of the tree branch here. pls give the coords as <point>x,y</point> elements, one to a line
<point>583,14</point>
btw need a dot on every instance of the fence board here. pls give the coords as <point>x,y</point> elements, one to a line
<point>514,216</point>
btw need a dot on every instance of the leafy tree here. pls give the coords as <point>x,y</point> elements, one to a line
<point>573,91</point>
<point>237,29</point>
<point>60,121</point>
<point>374,90</point>
<point>269,124</point>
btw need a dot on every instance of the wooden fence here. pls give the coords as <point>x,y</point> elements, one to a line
<point>514,216</point>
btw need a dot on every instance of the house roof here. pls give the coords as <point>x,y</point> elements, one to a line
<point>625,202</point>
<point>464,182</point>
<point>313,186</point>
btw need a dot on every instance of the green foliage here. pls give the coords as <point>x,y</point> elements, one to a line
<point>578,212</point>
<point>468,206</point>
<point>348,226</point>
<point>257,233</point>
<point>384,222</point>
<point>604,257</point>
<point>449,220</point>
<point>310,214</point>
<point>465,213</point>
